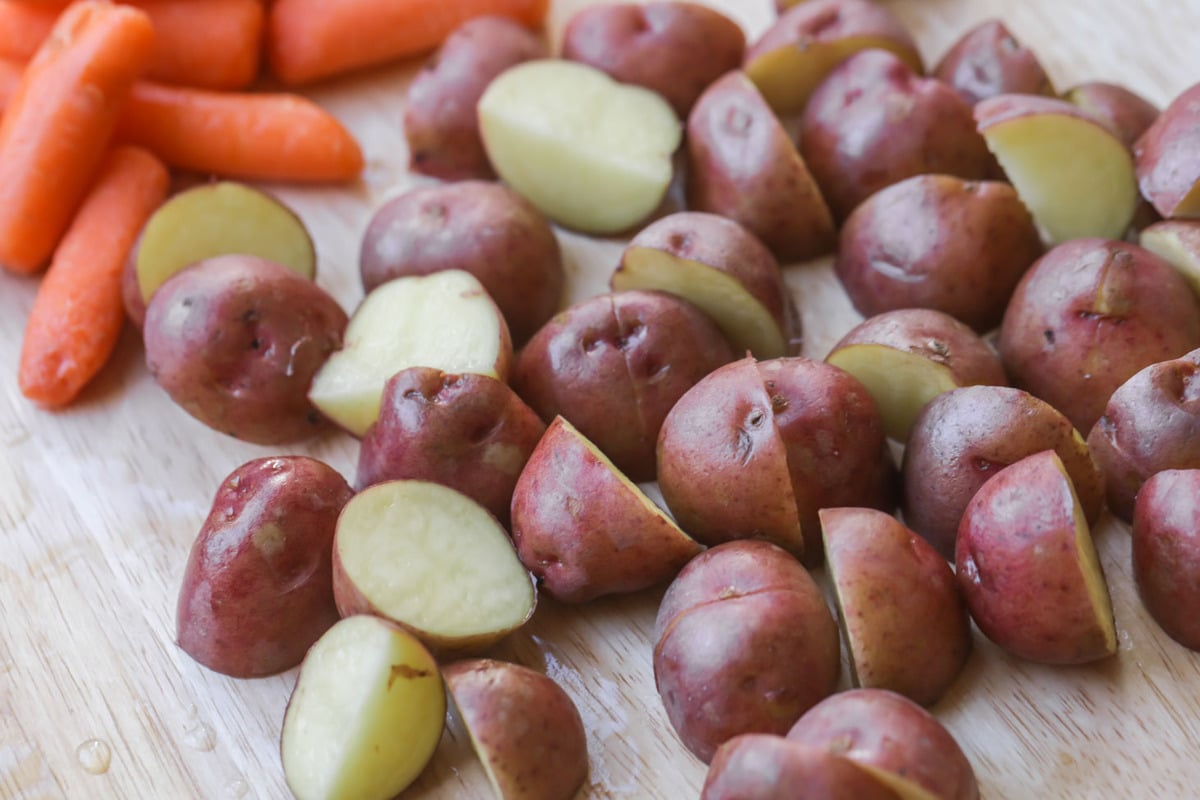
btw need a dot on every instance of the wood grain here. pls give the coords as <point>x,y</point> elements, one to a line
<point>99,504</point>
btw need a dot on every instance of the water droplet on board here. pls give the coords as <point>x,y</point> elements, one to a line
<point>199,736</point>
<point>237,789</point>
<point>94,756</point>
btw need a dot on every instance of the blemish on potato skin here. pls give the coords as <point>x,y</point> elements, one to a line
<point>406,672</point>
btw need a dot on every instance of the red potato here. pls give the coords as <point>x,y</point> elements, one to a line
<point>796,54</point>
<point>1176,241</point>
<point>743,165</point>
<point>965,436</point>
<point>258,587</point>
<point>1028,568</point>
<point>614,365</point>
<point>1168,168</point>
<point>469,432</point>
<point>1126,113</point>
<point>938,242</point>
<point>1087,316</point>
<point>523,726</point>
<point>483,228</point>
<point>744,644</point>
<point>439,112</point>
<point>988,60</point>
<point>656,45</point>
<point>899,743</point>
<point>1166,559</point>
<point>585,530</point>
<point>756,766</point>
<point>874,122</point>
<point>236,341</point>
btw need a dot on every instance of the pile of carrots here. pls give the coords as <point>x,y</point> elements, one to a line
<point>99,99</point>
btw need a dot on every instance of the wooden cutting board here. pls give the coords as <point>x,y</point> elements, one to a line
<point>99,505</point>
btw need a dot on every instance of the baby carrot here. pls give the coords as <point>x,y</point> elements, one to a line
<point>58,124</point>
<point>213,44</point>
<point>77,314</point>
<point>312,39</point>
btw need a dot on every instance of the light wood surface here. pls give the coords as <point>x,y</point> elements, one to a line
<point>99,505</point>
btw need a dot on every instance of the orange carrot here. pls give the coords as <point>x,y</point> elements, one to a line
<point>58,124</point>
<point>257,136</point>
<point>312,39</point>
<point>77,314</point>
<point>213,44</point>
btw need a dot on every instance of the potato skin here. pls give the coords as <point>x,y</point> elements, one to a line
<point>1087,316</point>
<point>235,340</point>
<point>965,436</point>
<point>1166,155</point>
<point>901,125</point>
<point>469,432</point>
<point>939,242</point>
<point>656,46</point>
<point>1151,424</point>
<point>744,644</point>
<point>614,365</point>
<point>756,766</point>
<point>987,61</point>
<point>258,587</point>
<point>483,228</point>
<point>1123,111</point>
<point>439,112</point>
<point>1166,560</point>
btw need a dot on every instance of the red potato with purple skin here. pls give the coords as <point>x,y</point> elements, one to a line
<point>1151,424</point>
<point>938,242</point>
<point>483,228</point>
<point>798,52</point>
<point>1028,568</point>
<point>744,644</point>
<point>1087,316</point>
<point>900,125</point>
<point>743,165</point>
<point>965,436</point>
<point>585,530</point>
<point>469,432</point>
<point>905,623</point>
<point>439,111</point>
<point>756,766</point>
<point>893,738</point>
<point>1166,558</point>
<point>236,340</point>
<point>988,60</point>
<point>1168,164</point>
<point>523,726</point>
<point>615,365</point>
<point>258,587</point>
<point>1123,111</point>
<point>655,45</point>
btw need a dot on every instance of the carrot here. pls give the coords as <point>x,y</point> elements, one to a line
<point>58,124</point>
<point>256,136</point>
<point>77,314</point>
<point>311,39</point>
<point>213,44</point>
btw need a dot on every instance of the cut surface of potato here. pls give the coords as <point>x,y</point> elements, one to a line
<point>218,219</point>
<point>445,321</point>
<point>1177,241</point>
<point>901,382</point>
<point>366,714</point>
<point>1075,176</point>
<point>590,153</point>
<point>433,560</point>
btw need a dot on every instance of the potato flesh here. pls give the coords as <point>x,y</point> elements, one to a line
<point>366,715</point>
<point>743,319</point>
<point>445,321</point>
<point>590,153</point>
<point>432,559</point>
<point>902,383</point>
<point>1168,246</point>
<point>1093,573</point>
<point>904,789</point>
<point>1074,176</point>
<point>216,220</point>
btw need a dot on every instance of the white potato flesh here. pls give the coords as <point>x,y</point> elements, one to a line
<point>1074,175</point>
<point>366,715</point>
<point>433,560</point>
<point>590,153</point>
<point>445,321</point>
<point>901,382</point>
<point>220,219</point>
<point>741,317</point>
<point>1169,245</point>
<point>1090,568</point>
